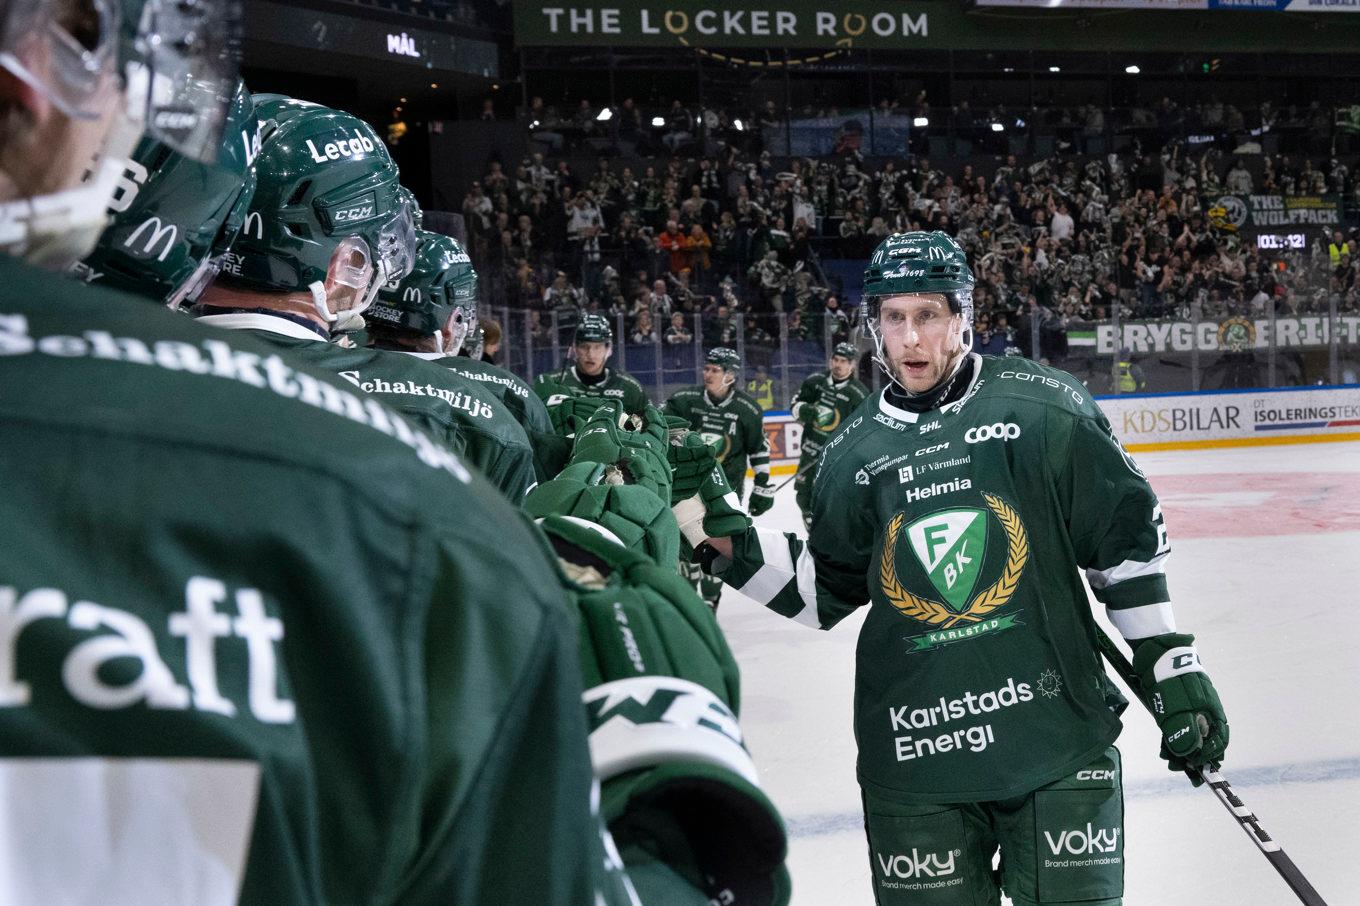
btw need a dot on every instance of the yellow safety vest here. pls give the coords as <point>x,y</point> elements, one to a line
<point>1126,382</point>
<point>763,391</point>
<point>1335,252</point>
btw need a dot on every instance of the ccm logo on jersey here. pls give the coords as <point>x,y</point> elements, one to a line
<point>1095,775</point>
<point>998,431</point>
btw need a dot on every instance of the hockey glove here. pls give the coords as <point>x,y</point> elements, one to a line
<point>566,411</point>
<point>1183,701</point>
<point>679,787</point>
<point>704,504</point>
<point>640,456</point>
<point>638,517</point>
<point>762,494</point>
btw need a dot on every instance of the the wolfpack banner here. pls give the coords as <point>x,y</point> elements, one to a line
<point>1257,213</point>
<point>1256,416</point>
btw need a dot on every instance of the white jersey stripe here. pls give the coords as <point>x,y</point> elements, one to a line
<point>1143,622</point>
<point>807,590</point>
<point>776,570</point>
<point>1129,569</point>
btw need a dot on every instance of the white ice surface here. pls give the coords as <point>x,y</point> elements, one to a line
<point>1278,622</point>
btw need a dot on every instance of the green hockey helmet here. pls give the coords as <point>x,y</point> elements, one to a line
<point>327,216</point>
<point>153,67</point>
<point>920,262</point>
<point>725,358</point>
<point>426,300</point>
<point>593,328</point>
<point>845,351</point>
<point>175,217</point>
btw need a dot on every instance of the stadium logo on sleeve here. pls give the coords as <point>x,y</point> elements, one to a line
<point>950,548</point>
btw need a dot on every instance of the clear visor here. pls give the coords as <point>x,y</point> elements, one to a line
<point>459,324</point>
<point>202,277</point>
<point>72,63</point>
<point>191,55</point>
<point>397,246</point>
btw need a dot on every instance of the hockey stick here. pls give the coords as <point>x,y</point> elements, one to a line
<point>1223,790</point>
<point>785,483</point>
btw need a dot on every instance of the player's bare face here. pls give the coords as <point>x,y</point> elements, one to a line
<point>590,358</point>
<point>716,381</point>
<point>840,368</point>
<point>922,339</point>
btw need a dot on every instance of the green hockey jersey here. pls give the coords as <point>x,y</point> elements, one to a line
<point>966,529</point>
<point>246,656</point>
<point>615,385</point>
<point>841,398</point>
<point>461,412</point>
<point>735,426</point>
<point>551,452</point>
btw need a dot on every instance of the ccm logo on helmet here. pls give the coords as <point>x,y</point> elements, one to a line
<point>998,431</point>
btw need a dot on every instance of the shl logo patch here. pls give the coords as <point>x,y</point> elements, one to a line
<point>949,545</point>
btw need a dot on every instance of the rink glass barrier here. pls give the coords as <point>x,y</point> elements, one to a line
<point>1187,351</point>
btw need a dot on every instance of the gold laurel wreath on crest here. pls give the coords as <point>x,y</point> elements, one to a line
<point>996,595</point>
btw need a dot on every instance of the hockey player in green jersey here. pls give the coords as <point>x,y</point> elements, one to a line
<point>293,293</point>
<point>680,794</point>
<point>732,422</point>
<point>431,312</point>
<point>589,375</point>
<point>962,507</point>
<point>244,604</point>
<point>823,403</point>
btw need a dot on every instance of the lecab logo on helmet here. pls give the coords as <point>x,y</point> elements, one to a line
<point>341,148</point>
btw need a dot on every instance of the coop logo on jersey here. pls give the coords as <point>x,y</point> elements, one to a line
<point>950,548</point>
<point>997,431</point>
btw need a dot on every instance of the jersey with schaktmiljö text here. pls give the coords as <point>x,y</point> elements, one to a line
<point>735,426</point>
<point>446,405</point>
<point>615,386</point>
<point>246,610</point>
<point>551,452</point>
<point>966,529</point>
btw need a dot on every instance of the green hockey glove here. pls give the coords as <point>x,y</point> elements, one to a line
<point>762,494</point>
<point>640,455</point>
<point>566,411</point>
<point>691,459</point>
<point>713,512</point>
<point>662,697</point>
<point>1183,700</point>
<point>639,518</point>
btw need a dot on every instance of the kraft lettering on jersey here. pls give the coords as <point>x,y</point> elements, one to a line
<point>120,635</point>
<point>218,359</point>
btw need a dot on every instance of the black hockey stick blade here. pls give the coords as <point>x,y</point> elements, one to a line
<point>1304,890</point>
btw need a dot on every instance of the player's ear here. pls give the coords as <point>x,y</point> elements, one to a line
<point>20,99</point>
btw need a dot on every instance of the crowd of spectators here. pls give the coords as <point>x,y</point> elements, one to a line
<point>740,236</point>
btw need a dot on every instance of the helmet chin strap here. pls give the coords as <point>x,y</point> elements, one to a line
<point>960,356</point>
<point>318,291</point>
